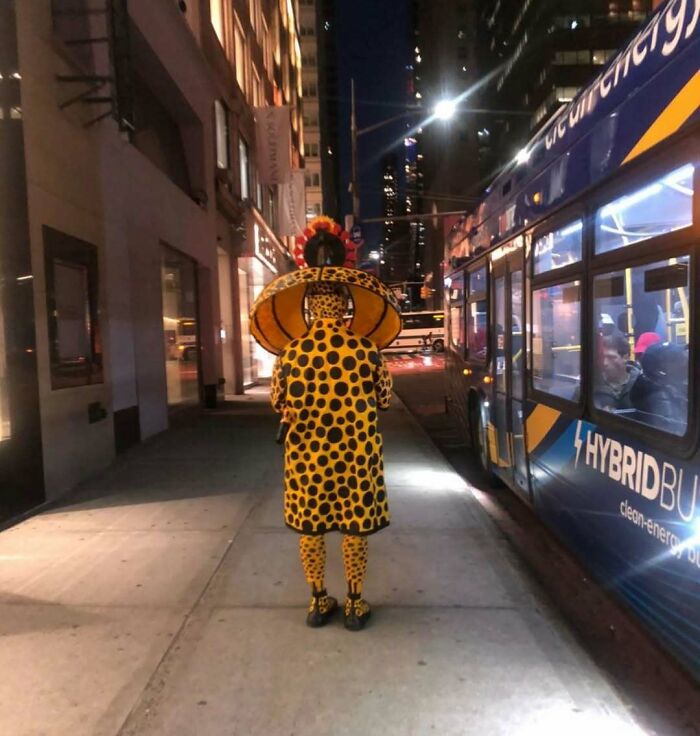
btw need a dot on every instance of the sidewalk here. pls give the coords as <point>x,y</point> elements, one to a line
<point>168,599</point>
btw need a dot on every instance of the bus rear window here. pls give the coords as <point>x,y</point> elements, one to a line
<point>658,208</point>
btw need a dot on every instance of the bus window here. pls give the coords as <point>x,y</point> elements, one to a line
<point>556,340</point>
<point>559,248</point>
<point>660,207</point>
<point>456,292</point>
<point>642,315</point>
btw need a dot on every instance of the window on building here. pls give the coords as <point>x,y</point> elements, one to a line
<point>72,302</point>
<point>241,60</point>
<point>307,31</point>
<point>223,156</point>
<point>244,168</point>
<point>309,89</point>
<point>218,19</point>
<point>311,150</point>
<point>313,180</point>
<point>663,206</point>
<point>603,56</point>
<point>565,94</point>
<point>556,340</point>
<point>180,326</point>
<point>642,323</point>
<point>571,58</point>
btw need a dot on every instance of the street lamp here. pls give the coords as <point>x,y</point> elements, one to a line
<point>444,110</point>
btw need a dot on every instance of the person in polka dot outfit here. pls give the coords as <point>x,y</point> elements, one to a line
<point>329,385</point>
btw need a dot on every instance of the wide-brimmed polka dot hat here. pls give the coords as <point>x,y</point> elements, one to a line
<point>279,316</point>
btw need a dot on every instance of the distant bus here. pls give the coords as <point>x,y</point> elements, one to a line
<point>420,331</point>
<point>572,309</point>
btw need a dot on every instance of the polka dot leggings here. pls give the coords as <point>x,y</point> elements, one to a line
<point>312,550</point>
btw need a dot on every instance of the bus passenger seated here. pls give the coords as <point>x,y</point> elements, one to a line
<point>615,375</point>
<point>661,393</point>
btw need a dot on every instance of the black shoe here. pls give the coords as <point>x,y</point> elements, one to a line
<point>321,609</point>
<point>357,613</point>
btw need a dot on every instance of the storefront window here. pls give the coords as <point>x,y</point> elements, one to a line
<point>246,339</point>
<point>180,327</point>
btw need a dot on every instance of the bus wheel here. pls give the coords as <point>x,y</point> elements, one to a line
<point>438,346</point>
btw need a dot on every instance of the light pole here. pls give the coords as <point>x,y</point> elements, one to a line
<point>444,110</point>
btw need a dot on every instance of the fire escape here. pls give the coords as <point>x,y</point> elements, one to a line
<point>94,35</point>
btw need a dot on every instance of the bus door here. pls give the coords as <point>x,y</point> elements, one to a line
<point>508,449</point>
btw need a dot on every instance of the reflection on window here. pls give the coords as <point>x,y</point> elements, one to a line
<point>477,281</point>
<point>456,301</point>
<point>661,207</point>
<point>477,322</point>
<point>5,425</point>
<point>642,325</point>
<point>180,329</point>
<point>556,340</point>
<point>559,248</point>
<point>425,321</point>
<point>244,168</point>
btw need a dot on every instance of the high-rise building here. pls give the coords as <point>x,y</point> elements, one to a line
<point>444,67</point>
<point>537,55</point>
<point>319,74</point>
<point>391,250</point>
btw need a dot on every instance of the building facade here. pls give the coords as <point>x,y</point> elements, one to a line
<point>135,231</point>
<point>537,55</point>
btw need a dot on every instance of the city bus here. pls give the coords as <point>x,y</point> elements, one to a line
<point>571,307</point>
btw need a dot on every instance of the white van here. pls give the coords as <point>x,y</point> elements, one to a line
<point>420,330</point>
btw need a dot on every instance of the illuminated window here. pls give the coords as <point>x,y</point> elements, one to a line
<point>244,168</point>
<point>658,208</point>
<point>559,248</point>
<point>241,60</point>
<point>223,159</point>
<point>216,14</point>
<point>641,322</point>
<point>556,340</point>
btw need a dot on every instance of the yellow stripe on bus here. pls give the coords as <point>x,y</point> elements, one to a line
<point>538,424</point>
<point>683,105</point>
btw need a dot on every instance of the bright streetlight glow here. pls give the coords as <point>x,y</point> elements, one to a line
<point>445,109</point>
<point>523,156</point>
<point>374,255</point>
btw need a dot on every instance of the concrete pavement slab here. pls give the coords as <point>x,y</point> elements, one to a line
<point>109,568</point>
<point>143,512</point>
<point>413,672</point>
<point>76,671</point>
<point>430,569</point>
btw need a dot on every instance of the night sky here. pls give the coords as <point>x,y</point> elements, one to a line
<point>374,46</point>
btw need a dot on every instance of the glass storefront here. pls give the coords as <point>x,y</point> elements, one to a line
<point>5,423</point>
<point>246,339</point>
<point>180,327</point>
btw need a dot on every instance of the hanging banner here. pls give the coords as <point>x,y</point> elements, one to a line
<point>292,204</point>
<point>273,138</point>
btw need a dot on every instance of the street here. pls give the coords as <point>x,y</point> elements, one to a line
<point>167,598</point>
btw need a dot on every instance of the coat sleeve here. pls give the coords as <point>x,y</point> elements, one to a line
<point>278,386</point>
<point>383,383</point>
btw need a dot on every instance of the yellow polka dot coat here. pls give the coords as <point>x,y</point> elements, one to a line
<point>329,385</point>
